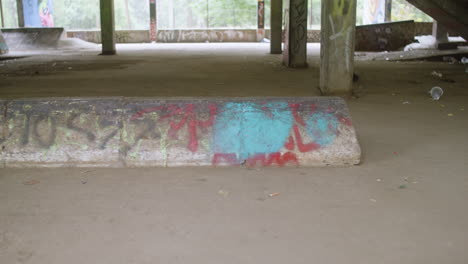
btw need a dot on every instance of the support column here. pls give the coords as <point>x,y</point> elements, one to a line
<point>20,10</point>
<point>1,14</point>
<point>276,26</point>
<point>107,27</point>
<point>440,33</point>
<point>153,22</point>
<point>337,46</point>
<point>260,20</point>
<point>295,35</point>
<point>388,10</point>
<point>3,45</point>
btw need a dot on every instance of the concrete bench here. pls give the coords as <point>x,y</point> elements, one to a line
<point>134,132</point>
<point>32,38</point>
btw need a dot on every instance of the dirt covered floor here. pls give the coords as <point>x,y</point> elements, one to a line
<point>406,203</point>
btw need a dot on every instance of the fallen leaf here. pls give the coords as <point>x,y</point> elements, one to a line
<point>31,182</point>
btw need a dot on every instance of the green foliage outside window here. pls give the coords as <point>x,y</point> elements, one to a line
<point>186,14</point>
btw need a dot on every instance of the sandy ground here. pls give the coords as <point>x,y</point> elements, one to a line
<point>406,203</point>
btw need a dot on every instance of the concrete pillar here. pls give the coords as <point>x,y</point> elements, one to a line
<point>1,14</point>
<point>295,35</point>
<point>153,22</point>
<point>107,27</point>
<point>260,20</point>
<point>388,10</point>
<point>20,10</point>
<point>337,46</point>
<point>3,45</point>
<point>311,11</point>
<point>276,25</point>
<point>440,33</point>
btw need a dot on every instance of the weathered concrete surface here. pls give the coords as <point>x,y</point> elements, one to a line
<point>440,33</point>
<point>62,133</point>
<point>213,35</point>
<point>337,46</point>
<point>194,36</point>
<point>191,132</point>
<point>450,13</point>
<point>217,35</point>
<point>32,38</point>
<point>121,36</point>
<point>182,36</point>
<point>295,34</point>
<point>3,44</point>
<point>385,36</point>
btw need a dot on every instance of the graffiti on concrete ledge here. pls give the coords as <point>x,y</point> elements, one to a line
<point>170,133</point>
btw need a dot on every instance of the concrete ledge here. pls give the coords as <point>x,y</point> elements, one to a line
<point>389,36</point>
<point>182,35</point>
<point>30,38</point>
<point>124,132</point>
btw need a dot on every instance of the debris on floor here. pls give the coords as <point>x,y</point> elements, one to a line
<point>436,92</point>
<point>273,194</point>
<point>450,59</point>
<point>31,182</point>
<point>464,61</point>
<point>223,193</point>
<point>437,74</point>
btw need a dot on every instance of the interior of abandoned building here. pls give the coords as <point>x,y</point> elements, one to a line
<point>233,131</point>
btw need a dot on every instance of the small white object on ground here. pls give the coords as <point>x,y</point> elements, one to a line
<point>464,60</point>
<point>406,102</point>
<point>223,193</point>
<point>436,92</point>
<point>424,42</point>
<point>437,74</point>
